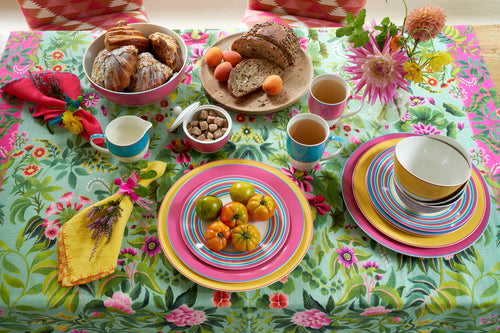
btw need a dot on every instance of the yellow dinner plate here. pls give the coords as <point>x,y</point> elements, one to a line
<point>273,175</point>
<point>378,221</point>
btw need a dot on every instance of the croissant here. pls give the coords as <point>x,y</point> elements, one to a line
<point>123,34</point>
<point>112,69</point>
<point>167,50</point>
<point>148,73</point>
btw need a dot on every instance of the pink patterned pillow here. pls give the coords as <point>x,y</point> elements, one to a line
<point>80,14</point>
<point>302,13</point>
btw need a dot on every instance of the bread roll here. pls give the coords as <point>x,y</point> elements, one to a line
<point>148,73</point>
<point>122,35</point>
<point>112,69</point>
<point>167,50</point>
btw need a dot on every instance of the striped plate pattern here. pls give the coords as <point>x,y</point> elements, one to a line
<point>383,197</point>
<point>273,232</point>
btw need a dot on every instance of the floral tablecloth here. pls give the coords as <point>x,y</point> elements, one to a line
<point>346,282</point>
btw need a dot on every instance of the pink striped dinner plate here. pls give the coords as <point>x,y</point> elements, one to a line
<point>273,232</point>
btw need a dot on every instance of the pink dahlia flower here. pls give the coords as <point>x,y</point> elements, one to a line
<point>425,23</point>
<point>380,71</point>
<point>375,311</point>
<point>185,316</point>
<point>121,302</point>
<point>313,318</point>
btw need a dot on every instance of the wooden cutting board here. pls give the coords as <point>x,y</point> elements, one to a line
<point>296,80</point>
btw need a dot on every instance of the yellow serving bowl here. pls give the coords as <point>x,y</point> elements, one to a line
<point>430,169</point>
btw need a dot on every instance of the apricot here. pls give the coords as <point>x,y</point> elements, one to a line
<point>272,85</point>
<point>231,56</point>
<point>213,57</point>
<point>222,71</point>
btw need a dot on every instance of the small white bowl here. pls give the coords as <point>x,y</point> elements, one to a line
<point>207,146</point>
<point>430,169</point>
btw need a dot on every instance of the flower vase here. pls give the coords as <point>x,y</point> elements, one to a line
<point>389,113</point>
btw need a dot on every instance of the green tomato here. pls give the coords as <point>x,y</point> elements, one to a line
<point>241,191</point>
<point>208,207</point>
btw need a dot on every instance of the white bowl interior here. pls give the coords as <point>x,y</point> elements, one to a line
<point>147,29</point>
<point>195,114</point>
<point>433,161</point>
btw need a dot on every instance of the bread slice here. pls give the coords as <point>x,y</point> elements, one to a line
<point>255,47</point>
<point>249,75</point>
<point>280,35</point>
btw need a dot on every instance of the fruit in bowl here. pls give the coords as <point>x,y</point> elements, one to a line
<point>136,64</point>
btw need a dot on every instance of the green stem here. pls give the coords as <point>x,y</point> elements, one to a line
<point>28,274</point>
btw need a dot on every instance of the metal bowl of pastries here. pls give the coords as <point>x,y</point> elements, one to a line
<point>137,64</point>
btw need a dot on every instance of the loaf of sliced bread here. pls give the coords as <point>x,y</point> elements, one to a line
<point>269,40</point>
<point>280,35</point>
<point>249,75</point>
<point>255,47</point>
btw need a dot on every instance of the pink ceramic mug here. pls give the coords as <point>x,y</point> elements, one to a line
<point>329,94</point>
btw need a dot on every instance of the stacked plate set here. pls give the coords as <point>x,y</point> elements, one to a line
<point>369,187</point>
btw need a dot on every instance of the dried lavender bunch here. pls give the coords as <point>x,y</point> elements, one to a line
<point>102,220</point>
<point>48,85</point>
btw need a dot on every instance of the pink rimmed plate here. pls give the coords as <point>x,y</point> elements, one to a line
<point>392,242</point>
<point>287,258</point>
<point>379,182</point>
<point>274,232</point>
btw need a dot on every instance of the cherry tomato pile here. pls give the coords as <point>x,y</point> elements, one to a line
<point>229,221</point>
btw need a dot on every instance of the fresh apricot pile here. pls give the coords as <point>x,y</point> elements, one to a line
<point>222,61</point>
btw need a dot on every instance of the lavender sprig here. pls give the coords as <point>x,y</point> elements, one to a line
<point>102,220</point>
<point>48,86</point>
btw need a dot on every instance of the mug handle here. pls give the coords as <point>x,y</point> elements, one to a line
<point>352,113</point>
<point>98,136</point>
<point>332,155</point>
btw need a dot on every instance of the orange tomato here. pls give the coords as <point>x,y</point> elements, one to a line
<point>241,191</point>
<point>261,207</point>
<point>245,237</point>
<point>217,235</point>
<point>234,213</point>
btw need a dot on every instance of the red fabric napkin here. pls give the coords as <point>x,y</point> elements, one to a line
<point>51,107</point>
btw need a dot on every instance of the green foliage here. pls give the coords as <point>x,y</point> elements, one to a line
<point>354,29</point>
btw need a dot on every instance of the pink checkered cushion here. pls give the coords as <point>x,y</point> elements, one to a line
<point>81,14</point>
<point>301,13</point>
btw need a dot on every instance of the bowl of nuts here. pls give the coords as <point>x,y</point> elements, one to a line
<point>208,128</point>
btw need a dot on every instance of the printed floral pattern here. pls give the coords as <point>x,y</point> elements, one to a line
<point>345,283</point>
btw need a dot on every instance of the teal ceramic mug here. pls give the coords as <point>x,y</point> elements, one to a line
<point>307,138</point>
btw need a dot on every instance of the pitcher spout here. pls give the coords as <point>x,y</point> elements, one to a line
<point>144,125</point>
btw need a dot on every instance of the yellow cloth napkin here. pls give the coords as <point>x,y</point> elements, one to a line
<point>75,243</point>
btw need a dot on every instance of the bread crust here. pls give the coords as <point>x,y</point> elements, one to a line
<point>280,35</point>
<point>149,73</point>
<point>122,35</point>
<point>113,69</point>
<point>167,50</point>
<point>255,47</point>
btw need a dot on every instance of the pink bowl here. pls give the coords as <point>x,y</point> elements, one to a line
<point>213,145</point>
<point>136,98</point>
